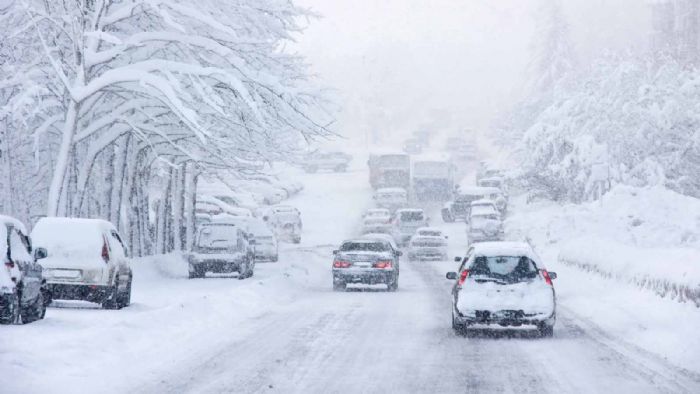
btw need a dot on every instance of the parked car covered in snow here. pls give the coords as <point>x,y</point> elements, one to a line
<point>483,207</point>
<point>333,161</point>
<point>495,181</point>
<point>406,222</point>
<point>285,222</point>
<point>23,292</point>
<point>503,283</point>
<point>222,247</point>
<point>376,220</point>
<point>366,261</point>
<point>391,198</point>
<point>428,243</point>
<point>484,227</point>
<point>86,260</point>
<point>266,248</point>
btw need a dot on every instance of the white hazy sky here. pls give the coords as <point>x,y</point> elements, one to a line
<point>399,65</point>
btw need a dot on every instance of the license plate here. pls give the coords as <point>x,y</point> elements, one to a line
<point>362,264</point>
<point>67,274</point>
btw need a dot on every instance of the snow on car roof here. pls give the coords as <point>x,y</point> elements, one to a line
<point>66,238</point>
<point>482,201</point>
<point>14,222</point>
<point>409,210</point>
<point>508,248</point>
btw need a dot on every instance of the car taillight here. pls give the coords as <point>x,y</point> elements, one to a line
<point>105,251</point>
<point>462,277</point>
<point>546,277</point>
<point>341,264</point>
<point>383,264</point>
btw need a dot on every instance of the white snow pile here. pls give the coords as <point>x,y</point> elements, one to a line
<point>646,236</point>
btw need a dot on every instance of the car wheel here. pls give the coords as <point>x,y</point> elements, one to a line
<point>339,286</point>
<point>458,328</point>
<point>110,299</point>
<point>244,271</point>
<point>124,299</point>
<point>394,285</point>
<point>196,272</point>
<point>275,258</point>
<point>35,311</point>
<point>545,330</point>
<point>11,314</point>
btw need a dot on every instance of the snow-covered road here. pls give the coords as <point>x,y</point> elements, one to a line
<point>287,331</point>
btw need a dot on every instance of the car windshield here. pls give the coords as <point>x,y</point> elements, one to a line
<point>220,236</point>
<point>430,233</point>
<point>365,247</point>
<point>412,216</point>
<point>507,268</point>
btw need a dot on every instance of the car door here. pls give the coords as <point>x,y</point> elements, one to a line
<point>31,272</point>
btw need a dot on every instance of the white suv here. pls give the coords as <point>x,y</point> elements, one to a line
<point>86,260</point>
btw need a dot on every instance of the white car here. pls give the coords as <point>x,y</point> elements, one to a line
<point>484,227</point>
<point>266,248</point>
<point>285,222</point>
<point>376,221</point>
<point>391,198</point>
<point>505,284</point>
<point>87,260</point>
<point>335,161</point>
<point>428,243</point>
<point>483,207</point>
<point>406,222</point>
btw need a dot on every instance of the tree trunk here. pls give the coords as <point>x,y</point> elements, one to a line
<point>63,160</point>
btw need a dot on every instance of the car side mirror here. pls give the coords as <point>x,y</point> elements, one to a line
<point>458,259</point>
<point>552,275</point>
<point>40,253</point>
<point>451,275</point>
<point>335,252</point>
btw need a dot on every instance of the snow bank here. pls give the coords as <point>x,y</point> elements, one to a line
<point>646,236</point>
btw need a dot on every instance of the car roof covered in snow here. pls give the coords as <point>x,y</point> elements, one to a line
<point>9,220</point>
<point>382,237</point>
<point>409,210</point>
<point>505,248</point>
<point>429,229</point>
<point>69,241</point>
<point>482,201</point>
<point>391,190</point>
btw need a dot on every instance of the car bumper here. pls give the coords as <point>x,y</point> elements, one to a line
<point>364,277</point>
<point>507,318</point>
<point>82,292</point>
<point>216,266</point>
<point>427,253</point>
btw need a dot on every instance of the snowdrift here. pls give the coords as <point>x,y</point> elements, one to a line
<point>646,236</point>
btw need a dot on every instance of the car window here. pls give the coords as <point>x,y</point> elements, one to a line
<point>412,216</point>
<point>119,248</point>
<point>509,268</point>
<point>365,246</point>
<point>19,248</point>
<point>217,236</point>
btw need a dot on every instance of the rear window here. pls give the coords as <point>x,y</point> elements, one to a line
<point>365,246</point>
<point>507,268</point>
<point>218,237</point>
<point>411,216</point>
<point>429,233</point>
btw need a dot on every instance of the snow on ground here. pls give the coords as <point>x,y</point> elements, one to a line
<point>285,330</point>
<point>608,255</point>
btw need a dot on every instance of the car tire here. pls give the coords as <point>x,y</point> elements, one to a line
<point>339,286</point>
<point>196,272</point>
<point>33,312</point>
<point>545,330</point>
<point>275,258</point>
<point>458,328</point>
<point>447,217</point>
<point>110,299</point>
<point>244,273</point>
<point>13,315</point>
<point>124,299</point>
<point>394,285</point>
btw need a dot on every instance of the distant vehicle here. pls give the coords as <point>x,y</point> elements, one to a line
<point>334,161</point>
<point>246,224</point>
<point>406,222</point>
<point>494,181</point>
<point>266,248</point>
<point>433,180</point>
<point>390,170</point>
<point>366,261</point>
<point>87,261</point>
<point>458,209</point>
<point>503,283</point>
<point>376,221</point>
<point>23,291</point>
<point>222,248</point>
<point>484,171</point>
<point>484,227</point>
<point>428,243</point>
<point>412,146</point>
<point>391,198</point>
<point>454,143</point>
<point>285,222</point>
<point>483,207</point>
